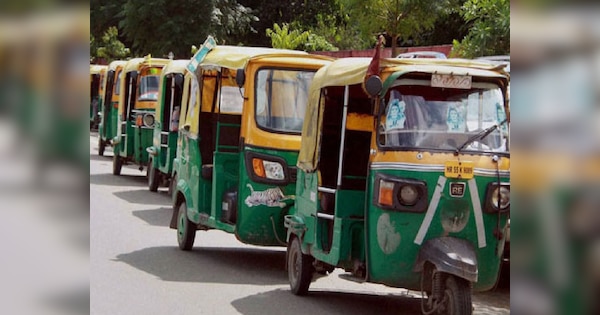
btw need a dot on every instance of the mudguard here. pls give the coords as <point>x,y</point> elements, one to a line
<point>450,255</point>
<point>180,188</point>
<point>294,225</point>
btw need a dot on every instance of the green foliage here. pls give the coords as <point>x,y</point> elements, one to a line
<point>490,29</point>
<point>282,37</point>
<point>397,18</point>
<point>318,43</point>
<point>232,21</point>
<point>111,48</point>
<point>338,30</point>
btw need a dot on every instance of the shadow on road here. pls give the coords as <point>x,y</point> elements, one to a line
<point>105,158</point>
<point>327,302</point>
<point>211,265</point>
<point>122,180</point>
<point>144,196</point>
<point>157,217</point>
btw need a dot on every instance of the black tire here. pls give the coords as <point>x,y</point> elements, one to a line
<point>172,184</point>
<point>458,296</point>
<point>300,268</point>
<point>153,177</point>
<point>186,229</point>
<point>101,146</point>
<point>117,164</point>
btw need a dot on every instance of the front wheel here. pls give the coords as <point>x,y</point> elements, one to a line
<point>101,146</point>
<point>153,177</point>
<point>457,296</point>
<point>117,164</point>
<point>186,231</point>
<point>300,268</point>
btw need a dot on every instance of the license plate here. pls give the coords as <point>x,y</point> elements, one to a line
<point>451,81</point>
<point>456,169</point>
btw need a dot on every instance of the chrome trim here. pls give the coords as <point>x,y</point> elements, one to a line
<point>325,216</point>
<point>164,133</point>
<point>326,190</point>
<point>432,168</point>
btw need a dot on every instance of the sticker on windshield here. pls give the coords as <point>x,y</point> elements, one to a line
<point>395,117</point>
<point>455,118</point>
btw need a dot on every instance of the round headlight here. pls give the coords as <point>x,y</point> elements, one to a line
<point>149,120</point>
<point>408,195</point>
<point>503,193</point>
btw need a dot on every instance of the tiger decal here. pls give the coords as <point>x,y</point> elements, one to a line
<point>272,197</point>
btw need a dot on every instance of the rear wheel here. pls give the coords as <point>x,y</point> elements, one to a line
<point>186,229</point>
<point>172,184</point>
<point>300,268</point>
<point>153,177</point>
<point>101,146</point>
<point>117,164</point>
<point>457,296</point>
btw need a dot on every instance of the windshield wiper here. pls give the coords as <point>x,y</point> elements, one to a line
<point>480,135</point>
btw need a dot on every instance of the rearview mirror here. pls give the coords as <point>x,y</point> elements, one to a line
<point>240,77</point>
<point>373,85</point>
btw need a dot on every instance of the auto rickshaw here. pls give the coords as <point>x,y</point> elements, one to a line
<point>97,74</point>
<point>107,128</point>
<point>408,188</point>
<point>172,94</point>
<point>135,121</point>
<point>239,141</point>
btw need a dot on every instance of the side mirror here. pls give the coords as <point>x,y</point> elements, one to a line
<point>240,77</point>
<point>373,85</point>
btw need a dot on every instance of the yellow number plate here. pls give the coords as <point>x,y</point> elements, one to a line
<point>456,169</point>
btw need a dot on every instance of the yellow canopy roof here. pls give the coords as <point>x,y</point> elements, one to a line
<point>175,66</point>
<point>236,57</point>
<point>113,65</point>
<point>95,69</point>
<point>351,71</point>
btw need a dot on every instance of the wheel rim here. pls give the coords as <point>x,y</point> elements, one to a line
<point>294,265</point>
<point>181,227</point>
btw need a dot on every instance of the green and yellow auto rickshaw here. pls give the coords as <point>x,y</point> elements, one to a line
<point>409,188</point>
<point>239,141</point>
<point>135,121</point>
<point>173,92</point>
<point>97,74</point>
<point>107,128</point>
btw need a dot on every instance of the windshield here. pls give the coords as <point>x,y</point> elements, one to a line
<point>281,99</point>
<point>148,90</point>
<point>417,115</point>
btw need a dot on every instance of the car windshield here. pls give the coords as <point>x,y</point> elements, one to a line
<point>148,90</point>
<point>281,99</point>
<point>417,115</point>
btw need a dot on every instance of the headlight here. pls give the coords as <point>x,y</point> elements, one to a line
<point>400,194</point>
<point>408,195</point>
<point>148,120</point>
<point>498,197</point>
<point>268,169</point>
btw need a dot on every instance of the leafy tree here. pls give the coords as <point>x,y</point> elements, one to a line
<point>111,48</point>
<point>232,21</point>
<point>339,30</point>
<point>397,18</point>
<point>316,42</point>
<point>490,29</point>
<point>282,37</point>
<point>104,14</point>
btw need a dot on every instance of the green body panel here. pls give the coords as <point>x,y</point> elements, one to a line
<point>108,125</point>
<point>133,145</point>
<point>165,155</point>
<point>396,267</point>
<point>338,242</point>
<point>263,224</point>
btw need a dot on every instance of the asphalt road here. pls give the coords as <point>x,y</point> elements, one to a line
<point>137,268</point>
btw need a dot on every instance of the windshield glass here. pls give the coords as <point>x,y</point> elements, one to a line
<point>281,99</point>
<point>417,115</point>
<point>148,90</point>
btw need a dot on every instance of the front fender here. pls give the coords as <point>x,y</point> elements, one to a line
<point>450,255</point>
<point>182,193</point>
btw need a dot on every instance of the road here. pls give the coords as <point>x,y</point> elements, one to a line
<point>137,268</point>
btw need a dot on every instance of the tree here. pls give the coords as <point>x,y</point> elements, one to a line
<point>111,48</point>
<point>490,29</point>
<point>395,18</point>
<point>282,37</point>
